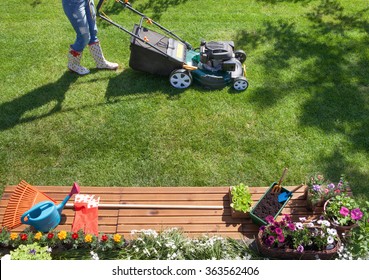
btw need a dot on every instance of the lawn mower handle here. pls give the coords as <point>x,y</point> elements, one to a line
<point>128,5</point>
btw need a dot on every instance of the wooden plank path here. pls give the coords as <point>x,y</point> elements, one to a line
<point>193,222</point>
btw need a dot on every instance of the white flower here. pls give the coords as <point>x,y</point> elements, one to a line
<point>330,240</point>
<point>302,219</point>
<point>326,223</point>
<point>310,225</point>
<point>332,231</point>
<point>94,256</point>
<point>299,225</point>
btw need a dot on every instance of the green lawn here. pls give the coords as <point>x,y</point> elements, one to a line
<point>307,106</point>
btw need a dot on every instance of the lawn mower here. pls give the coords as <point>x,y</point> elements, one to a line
<point>214,64</point>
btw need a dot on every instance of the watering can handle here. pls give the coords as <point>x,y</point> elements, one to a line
<point>45,204</point>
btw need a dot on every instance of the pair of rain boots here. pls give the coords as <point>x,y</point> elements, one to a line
<point>74,60</point>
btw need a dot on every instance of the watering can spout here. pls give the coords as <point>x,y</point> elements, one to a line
<point>75,189</point>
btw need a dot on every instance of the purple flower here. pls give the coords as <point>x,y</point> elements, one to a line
<point>272,228</point>
<point>32,252</point>
<point>356,214</point>
<point>269,219</point>
<point>316,188</point>
<point>262,228</point>
<point>300,249</point>
<point>280,238</point>
<point>344,211</point>
<point>331,186</point>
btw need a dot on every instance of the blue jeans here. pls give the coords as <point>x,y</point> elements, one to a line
<point>82,16</point>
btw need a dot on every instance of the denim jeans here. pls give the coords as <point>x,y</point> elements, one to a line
<point>82,16</point>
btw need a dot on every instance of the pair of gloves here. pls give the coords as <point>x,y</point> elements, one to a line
<point>86,214</point>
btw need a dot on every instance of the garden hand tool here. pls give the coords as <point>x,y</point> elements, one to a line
<point>278,187</point>
<point>285,195</point>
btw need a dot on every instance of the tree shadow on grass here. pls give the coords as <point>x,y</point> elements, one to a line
<point>328,63</point>
<point>156,8</point>
<point>12,112</point>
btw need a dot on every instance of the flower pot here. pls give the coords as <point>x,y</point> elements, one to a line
<point>268,205</point>
<point>342,230</point>
<point>234,213</point>
<point>291,254</point>
<point>310,204</point>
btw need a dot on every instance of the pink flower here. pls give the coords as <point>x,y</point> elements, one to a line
<point>356,214</point>
<point>292,226</point>
<point>280,238</point>
<point>344,211</point>
<point>269,219</point>
<point>278,231</point>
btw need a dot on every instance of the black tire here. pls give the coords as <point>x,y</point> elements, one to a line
<point>240,84</point>
<point>180,78</point>
<point>240,55</point>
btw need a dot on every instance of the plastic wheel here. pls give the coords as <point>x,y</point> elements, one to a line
<point>240,55</point>
<point>240,84</point>
<point>180,78</point>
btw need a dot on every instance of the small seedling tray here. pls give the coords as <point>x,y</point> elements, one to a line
<point>260,221</point>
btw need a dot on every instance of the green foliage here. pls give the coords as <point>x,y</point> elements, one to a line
<point>31,252</point>
<point>241,198</point>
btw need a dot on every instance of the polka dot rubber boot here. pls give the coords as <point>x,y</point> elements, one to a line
<point>101,62</point>
<point>74,63</point>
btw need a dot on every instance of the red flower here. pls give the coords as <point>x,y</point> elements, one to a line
<point>50,235</point>
<point>104,238</point>
<point>23,236</point>
<point>75,236</point>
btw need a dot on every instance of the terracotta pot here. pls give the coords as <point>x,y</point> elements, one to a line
<point>310,205</point>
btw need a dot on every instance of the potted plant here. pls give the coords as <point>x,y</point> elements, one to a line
<point>320,189</point>
<point>343,212</point>
<point>297,240</point>
<point>240,201</point>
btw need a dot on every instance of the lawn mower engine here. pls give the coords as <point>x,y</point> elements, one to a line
<point>216,56</point>
<point>219,65</point>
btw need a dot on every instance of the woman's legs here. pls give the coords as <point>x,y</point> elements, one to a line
<point>82,16</point>
<point>75,10</point>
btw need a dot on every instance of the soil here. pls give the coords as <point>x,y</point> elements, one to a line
<point>269,205</point>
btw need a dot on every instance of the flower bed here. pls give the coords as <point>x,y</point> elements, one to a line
<point>170,244</point>
<point>62,240</point>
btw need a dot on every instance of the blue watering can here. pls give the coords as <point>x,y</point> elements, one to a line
<point>45,215</point>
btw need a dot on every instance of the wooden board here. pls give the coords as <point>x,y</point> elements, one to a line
<point>193,222</point>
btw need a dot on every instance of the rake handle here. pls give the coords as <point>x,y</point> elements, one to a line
<point>156,206</point>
